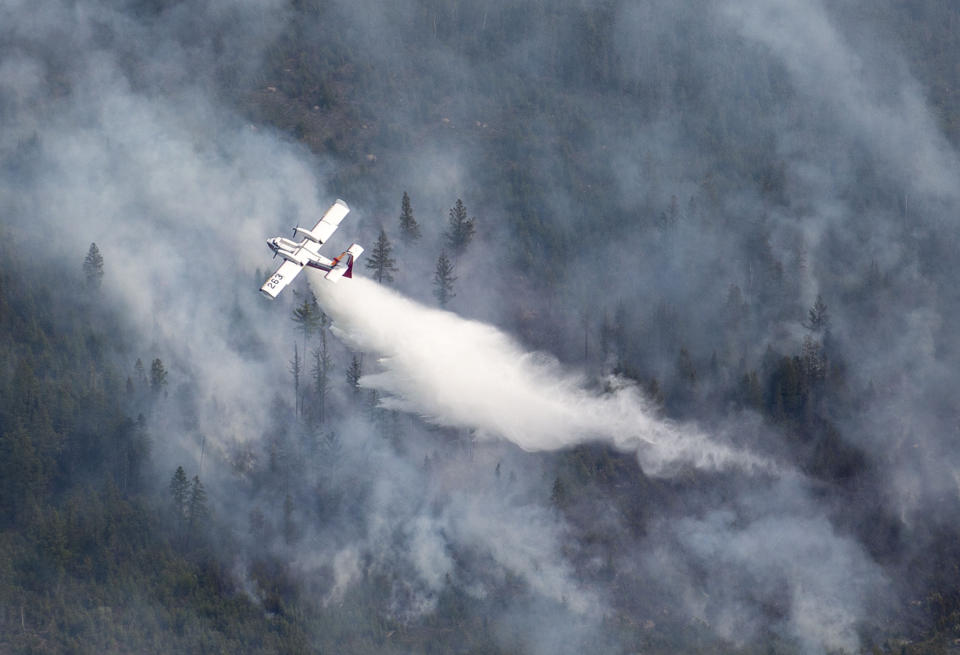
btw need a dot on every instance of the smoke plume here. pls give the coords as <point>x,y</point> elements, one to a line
<point>467,374</point>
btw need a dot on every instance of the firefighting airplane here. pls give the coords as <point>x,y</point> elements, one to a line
<point>307,252</point>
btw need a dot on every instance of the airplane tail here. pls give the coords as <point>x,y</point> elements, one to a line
<point>344,267</point>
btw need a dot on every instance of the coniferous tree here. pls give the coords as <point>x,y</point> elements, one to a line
<point>409,230</point>
<point>93,267</point>
<point>607,335</point>
<point>158,375</point>
<point>331,445</point>
<point>443,279</point>
<point>140,372</point>
<point>296,367</point>
<point>197,505</point>
<point>321,376</point>
<point>354,373</point>
<point>817,318</point>
<point>380,261</point>
<point>461,229</point>
<point>735,308</point>
<point>179,494</point>
<point>812,360</point>
<point>654,394</point>
<point>308,318</point>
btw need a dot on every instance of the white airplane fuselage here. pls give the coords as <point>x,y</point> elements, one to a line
<point>304,253</point>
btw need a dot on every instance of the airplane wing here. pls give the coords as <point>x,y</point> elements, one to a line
<point>285,274</point>
<point>330,221</point>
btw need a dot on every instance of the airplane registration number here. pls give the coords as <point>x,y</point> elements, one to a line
<point>273,282</point>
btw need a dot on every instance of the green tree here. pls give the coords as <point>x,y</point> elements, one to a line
<point>296,368</point>
<point>330,447</point>
<point>197,505</point>
<point>461,229</point>
<point>409,230</point>
<point>787,395</point>
<point>322,363</point>
<point>443,279</point>
<point>354,373</point>
<point>180,494</point>
<point>813,362</point>
<point>684,393</point>
<point>380,261</point>
<point>308,318</point>
<point>158,375</point>
<point>93,267</point>
<point>652,388</point>
<point>818,320</point>
<point>22,474</point>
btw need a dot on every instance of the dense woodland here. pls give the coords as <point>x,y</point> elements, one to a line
<point>650,166</point>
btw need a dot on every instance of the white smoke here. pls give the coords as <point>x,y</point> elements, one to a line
<point>466,374</point>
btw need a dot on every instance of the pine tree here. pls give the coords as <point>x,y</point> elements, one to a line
<point>380,261</point>
<point>654,393</point>
<point>443,279</point>
<point>321,376</point>
<point>179,494</point>
<point>812,360</point>
<point>296,367</point>
<point>330,447</point>
<point>354,373</point>
<point>308,318</point>
<point>197,505</point>
<point>93,267</point>
<point>409,230</point>
<point>461,229</point>
<point>158,375</point>
<point>817,318</point>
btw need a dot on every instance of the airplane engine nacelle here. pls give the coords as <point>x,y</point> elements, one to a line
<point>293,257</point>
<point>307,233</point>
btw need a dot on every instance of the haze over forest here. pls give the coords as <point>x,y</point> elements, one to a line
<point>651,348</point>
